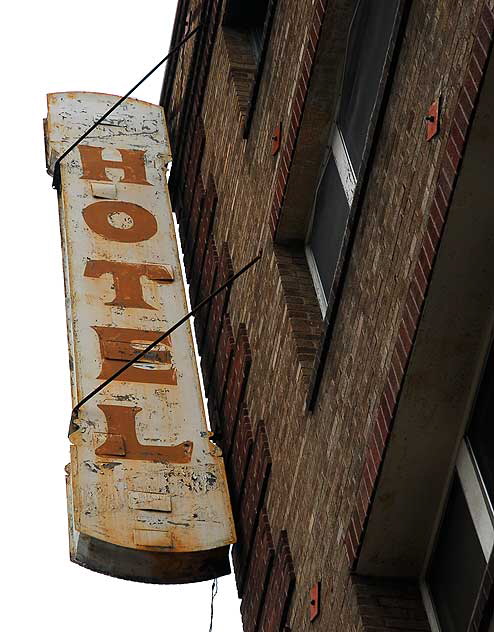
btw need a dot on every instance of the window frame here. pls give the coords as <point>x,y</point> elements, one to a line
<point>382,97</point>
<point>350,181</point>
<point>481,513</point>
<point>480,507</point>
<point>266,38</point>
<point>258,53</point>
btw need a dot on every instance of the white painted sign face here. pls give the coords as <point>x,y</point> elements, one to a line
<point>143,473</point>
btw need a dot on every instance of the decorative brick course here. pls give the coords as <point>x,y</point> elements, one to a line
<point>188,134</point>
<point>193,172</point>
<point>208,283</point>
<point>258,575</point>
<point>191,226</point>
<point>217,311</point>
<point>251,502</point>
<point>280,589</point>
<point>219,373</point>
<point>240,454</point>
<point>200,245</point>
<point>236,384</point>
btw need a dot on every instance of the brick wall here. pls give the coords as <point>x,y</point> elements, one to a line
<point>388,605</point>
<point>302,481</point>
<point>302,307</point>
<point>242,67</point>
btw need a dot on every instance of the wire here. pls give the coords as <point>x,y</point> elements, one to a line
<point>73,426</point>
<point>214,592</point>
<point>56,169</point>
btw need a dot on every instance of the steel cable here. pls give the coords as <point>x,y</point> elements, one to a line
<point>214,592</point>
<point>56,169</point>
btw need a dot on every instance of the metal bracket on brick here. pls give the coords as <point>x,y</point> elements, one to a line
<point>432,120</point>
<point>276,140</point>
<point>314,601</point>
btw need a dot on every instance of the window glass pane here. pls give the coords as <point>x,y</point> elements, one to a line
<point>328,226</point>
<point>256,37</point>
<point>481,431</point>
<point>368,44</point>
<point>455,572</point>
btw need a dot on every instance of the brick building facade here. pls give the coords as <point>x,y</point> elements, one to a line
<point>348,373</point>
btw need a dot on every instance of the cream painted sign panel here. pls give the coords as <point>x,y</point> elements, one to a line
<point>146,486</point>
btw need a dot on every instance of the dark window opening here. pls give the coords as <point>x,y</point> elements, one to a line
<point>457,566</point>
<point>328,229</point>
<point>247,28</point>
<point>369,41</point>
<point>368,45</point>
<point>457,578</point>
<point>480,434</point>
<point>248,18</point>
<point>239,13</point>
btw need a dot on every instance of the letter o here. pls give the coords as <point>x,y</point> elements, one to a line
<point>97,217</point>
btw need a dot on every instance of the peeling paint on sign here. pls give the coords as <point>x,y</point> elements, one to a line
<point>146,488</point>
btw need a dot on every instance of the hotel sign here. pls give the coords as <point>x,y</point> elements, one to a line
<point>146,487</point>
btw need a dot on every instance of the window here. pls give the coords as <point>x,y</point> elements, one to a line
<point>248,18</point>
<point>246,29</point>
<point>457,569</point>
<point>367,52</point>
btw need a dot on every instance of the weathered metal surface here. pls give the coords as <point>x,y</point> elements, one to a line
<point>144,476</point>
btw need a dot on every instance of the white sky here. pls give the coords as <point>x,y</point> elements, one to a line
<point>101,46</point>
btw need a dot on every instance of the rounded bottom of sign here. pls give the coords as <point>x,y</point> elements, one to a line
<point>151,566</point>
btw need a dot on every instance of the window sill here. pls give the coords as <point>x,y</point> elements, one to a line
<point>304,312</point>
<point>243,68</point>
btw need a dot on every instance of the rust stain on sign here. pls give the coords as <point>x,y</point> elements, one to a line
<point>146,488</point>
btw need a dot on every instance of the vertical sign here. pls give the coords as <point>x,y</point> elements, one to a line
<point>146,488</point>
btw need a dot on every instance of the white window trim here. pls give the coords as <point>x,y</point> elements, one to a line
<point>475,499</point>
<point>349,183</point>
<point>316,279</point>
<point>490,507</point>
<point>344,165</point>
<point>430,610</point>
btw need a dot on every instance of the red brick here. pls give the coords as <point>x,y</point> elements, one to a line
<point>488,19</point>
<point>279,590</point>
<point>258,574</point>
<point>453,152</point>
<point>479,53</point>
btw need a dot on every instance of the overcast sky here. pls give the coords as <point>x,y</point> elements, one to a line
<point>54,46</point>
